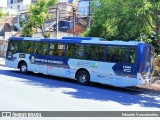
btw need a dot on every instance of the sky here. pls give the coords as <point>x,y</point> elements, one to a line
<point>3,3</point>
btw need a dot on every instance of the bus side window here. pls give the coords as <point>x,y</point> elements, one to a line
<point>95,52</point>
<point>61,48</point>
<point>75,51</point>
<point>27,47</point>
<point>51,49</point>
<point>44,48</point>
<point>14,46</point>
<point>54,50</point>
<point>36,45</point>
<point>132,55</point>
<point>79,51</point>
<point>71,51</point>
<point>117,54</point>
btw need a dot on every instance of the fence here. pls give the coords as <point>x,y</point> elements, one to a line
<point>3,47</point>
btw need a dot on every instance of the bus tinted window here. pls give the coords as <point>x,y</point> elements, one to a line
<point>117,54</point>
<point>53,49</point>
<point>61,49</point>
<point>41,48</point>
<point>132,54</point>
<point>74,51</point>
<point>56,49</point>
<point>95,52</point>
<point>15,46</point>
<point>27,47</point>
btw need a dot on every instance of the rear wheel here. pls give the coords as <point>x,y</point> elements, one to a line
<point>23,68</point>
<point>83,77</point>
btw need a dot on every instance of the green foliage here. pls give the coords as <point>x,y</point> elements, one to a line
<point>38,14</point>
<point>47,35</point>
<point>126,20</point>
<point>156,65</point>
<point>0,13</point>
<point>27,30</point>
<point>27,27</point>
<point>3,14</point>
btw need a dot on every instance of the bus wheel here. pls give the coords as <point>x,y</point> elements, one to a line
<point>83,77</point>
<point>23,68</point>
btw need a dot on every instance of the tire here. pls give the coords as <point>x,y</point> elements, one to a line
<point>23,68</point>
<point>83,77</point>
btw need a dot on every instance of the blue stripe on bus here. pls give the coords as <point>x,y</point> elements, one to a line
<point>49,60</point>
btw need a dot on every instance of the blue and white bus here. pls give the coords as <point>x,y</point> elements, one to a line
<point>85,59</point>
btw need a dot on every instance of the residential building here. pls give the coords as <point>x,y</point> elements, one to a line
<point>83,8</point>
<point>7,21</point>
<point>18,4</point>
<point>64,10</point>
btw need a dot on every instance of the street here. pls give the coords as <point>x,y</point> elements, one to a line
<point>47,93</point>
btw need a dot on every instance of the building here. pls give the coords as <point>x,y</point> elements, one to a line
<point>65,14</point>
<point>84,13</point>
<point>18,4</point>
<point>3,3</point>
<point>7,22</point>
<point>83,8</point>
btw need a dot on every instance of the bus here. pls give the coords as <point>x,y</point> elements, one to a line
<point>85,59</point>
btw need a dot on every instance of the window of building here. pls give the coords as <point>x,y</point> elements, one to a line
<point>11,1</point>
<point>14,1</point>
<point>18,1</point>
<point>116,54</point>
<point>18,7</point>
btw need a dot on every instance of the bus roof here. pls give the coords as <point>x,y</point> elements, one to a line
<point>89,40</point>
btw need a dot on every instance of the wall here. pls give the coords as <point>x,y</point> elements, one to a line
<point>3,48</point>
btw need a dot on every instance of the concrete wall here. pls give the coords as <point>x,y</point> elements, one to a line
<point>9,34</point>
<point>3,48</point>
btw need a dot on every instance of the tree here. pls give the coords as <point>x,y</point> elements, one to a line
<point>126,20</point>
<point>0,13</point>
<point>36,17</point>
<point>4,15</point>
<point>151,13</point>
<point>27,27</point>
<point>39,13</point>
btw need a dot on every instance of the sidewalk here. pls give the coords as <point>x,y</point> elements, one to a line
<point>2,61</point>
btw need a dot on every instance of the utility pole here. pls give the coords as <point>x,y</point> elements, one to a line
<point>74,15</point>
<point>57,22</point>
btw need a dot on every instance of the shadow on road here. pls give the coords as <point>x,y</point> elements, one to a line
<point>142,97</point>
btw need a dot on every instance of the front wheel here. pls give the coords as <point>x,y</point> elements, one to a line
<point>83,78</point>
<point>23,68</point>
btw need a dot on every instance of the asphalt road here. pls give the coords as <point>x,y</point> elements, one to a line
<point>47,93</point>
